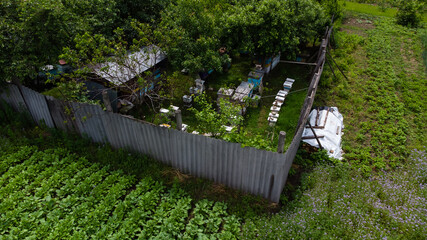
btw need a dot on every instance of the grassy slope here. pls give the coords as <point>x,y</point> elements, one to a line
<point>372,9</point>
<point>384,109</point>
<point>383,101</point>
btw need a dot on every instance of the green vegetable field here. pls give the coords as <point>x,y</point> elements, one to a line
<point>54,194</point>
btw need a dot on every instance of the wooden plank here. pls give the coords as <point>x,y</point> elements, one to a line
<point>326,118</point>
<point>317,118</point>
<point>312,137</point>
<point>316,127</point>
<point>301,63</point>
<point>315,136</point>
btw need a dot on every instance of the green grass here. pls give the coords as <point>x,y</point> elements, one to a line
<point>383,102</point>
<point>341,203</point>
<point>238,72</point>
<point>372,9</point>
<point>256,119</point>
<point>369,9</point>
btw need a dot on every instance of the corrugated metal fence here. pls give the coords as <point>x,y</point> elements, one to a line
<point>251,170</point>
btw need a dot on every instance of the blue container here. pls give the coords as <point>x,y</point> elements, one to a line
<point>255,78</point>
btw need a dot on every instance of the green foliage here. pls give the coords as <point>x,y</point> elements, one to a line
<point>341,203</point>
<point>383,96</point>
<point>193,33</point>
<point>254,28</point>
<point>177,85</point>
<point>8,116</point>
<point>53,194</point>
<point>69,90</point>
<point>332,8</point>
<point>147,11</point>
<point>309,160</point>
<point>410,13</point>
<point>33,33</point>
<point>210,121</point>
<point>247,139</point>
<point>96,53</point>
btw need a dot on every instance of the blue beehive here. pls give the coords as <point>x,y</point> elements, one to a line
<point>255,78</point>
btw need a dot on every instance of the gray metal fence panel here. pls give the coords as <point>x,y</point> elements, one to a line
<point>37,106</point>
<point>62,114</point>
<point>12,96</point>
<point>89,121</point>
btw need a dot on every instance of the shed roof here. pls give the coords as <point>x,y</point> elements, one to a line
<point>135,64</point>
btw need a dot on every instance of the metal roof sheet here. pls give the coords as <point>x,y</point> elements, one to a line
<point>135,64</point>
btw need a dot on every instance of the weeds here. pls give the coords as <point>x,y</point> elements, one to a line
<point>341,203</point>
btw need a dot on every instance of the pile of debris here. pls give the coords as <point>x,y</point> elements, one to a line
<point>278,102</point>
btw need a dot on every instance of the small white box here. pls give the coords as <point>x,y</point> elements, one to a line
<point>277,103</point>
<point>281,94</point>
<point>280,99</point>
<point>164,111</point>
<point>274,114</point>
<point>275,109</point>
<point>272,119</point>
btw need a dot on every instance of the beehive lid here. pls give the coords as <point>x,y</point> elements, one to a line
<point>272,119</point>
<point>274,114</point>
<point>275,109</point>
<point>256,75</point>
<point>281,99</point>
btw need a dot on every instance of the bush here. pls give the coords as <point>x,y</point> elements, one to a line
<point>409,13</point>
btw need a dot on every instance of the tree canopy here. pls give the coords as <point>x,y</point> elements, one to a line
<point>34,32</point>
<point>197,29</point>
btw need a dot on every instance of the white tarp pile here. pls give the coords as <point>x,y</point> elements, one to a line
<point>327,123</point>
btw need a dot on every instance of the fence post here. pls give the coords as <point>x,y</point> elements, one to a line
<point>106,100</point>
<point>178,120</point>
<point>281,145</point>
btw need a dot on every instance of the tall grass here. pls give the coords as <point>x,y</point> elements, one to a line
<point>340,203</point>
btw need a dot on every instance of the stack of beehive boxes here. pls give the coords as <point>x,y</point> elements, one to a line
<point>278,102</point>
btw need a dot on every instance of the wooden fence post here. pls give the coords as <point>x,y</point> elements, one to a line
<point>178,119</point>
<point>281,144</point>
<point>106,101</point>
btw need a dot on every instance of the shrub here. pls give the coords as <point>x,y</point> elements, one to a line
<point>409,13</point>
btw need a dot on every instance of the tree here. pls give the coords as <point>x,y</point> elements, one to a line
<point>33,32</point>
<point>193,31</point>
<point>146,11</point>
<point>126,66</point>
<point>211,121</point>
<point>269,26</point>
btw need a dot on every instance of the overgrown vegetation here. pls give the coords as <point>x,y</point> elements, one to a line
<point>383,101</point>
<point>341,203</point>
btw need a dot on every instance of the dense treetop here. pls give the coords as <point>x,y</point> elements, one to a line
<point>34,33</point>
